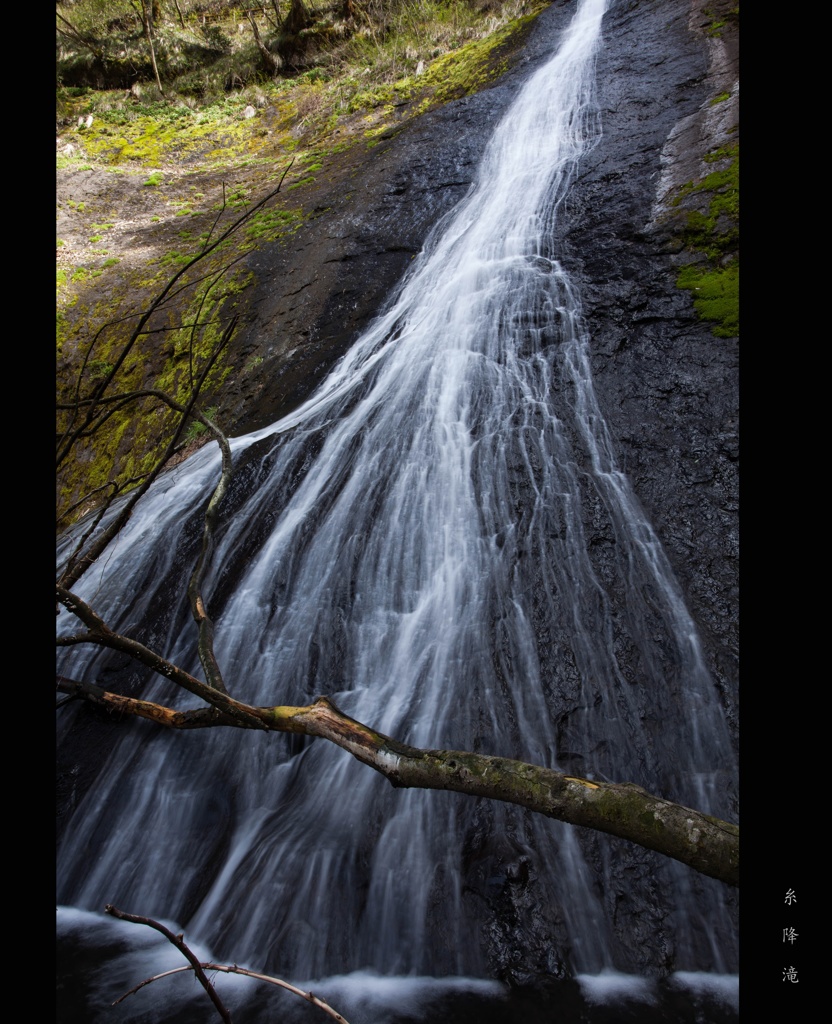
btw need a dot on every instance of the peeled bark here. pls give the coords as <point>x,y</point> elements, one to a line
<point>704,843</point>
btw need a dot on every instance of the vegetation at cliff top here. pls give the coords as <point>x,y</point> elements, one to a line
<point>200,77</point>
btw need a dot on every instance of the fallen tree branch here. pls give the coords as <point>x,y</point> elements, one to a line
<point>101,635</point>
<point>705,843</point>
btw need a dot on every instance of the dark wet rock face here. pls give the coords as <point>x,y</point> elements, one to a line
<point>370,217</point>
<point>322,288</point>
<point>667,386</point>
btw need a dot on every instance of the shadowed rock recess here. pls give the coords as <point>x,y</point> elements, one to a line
<point>668,387</point>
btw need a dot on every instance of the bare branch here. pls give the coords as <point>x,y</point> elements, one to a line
<point>200,968</point>
<point>309,996</point>
<point>101,635</point>
<point>183,949</point>
<point>69,440</point>
<point>83,557</point>
<point>625,810</point>
<point>199,610</point>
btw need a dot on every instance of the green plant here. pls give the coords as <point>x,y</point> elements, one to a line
<point>154,179</point>
<point>195,428</point>
<point>98,369</point>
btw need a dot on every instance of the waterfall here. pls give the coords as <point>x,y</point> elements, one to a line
<point>440,539</point>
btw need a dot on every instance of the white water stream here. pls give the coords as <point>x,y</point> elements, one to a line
<point>416,548</point>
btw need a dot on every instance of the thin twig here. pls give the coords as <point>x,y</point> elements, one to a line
<point>199,968</point>
<point>177,941</point>
<point>309,996</point>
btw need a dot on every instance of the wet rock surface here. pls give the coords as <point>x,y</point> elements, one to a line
<point>370,217</point>
<point>667,386</point>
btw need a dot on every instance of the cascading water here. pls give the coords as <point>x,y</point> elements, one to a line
<point>413,542</point>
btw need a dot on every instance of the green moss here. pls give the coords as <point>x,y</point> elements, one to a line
<point>61,330</point>
<point>715,26</point>
<point>301,183</point>
<point>173,258</point>
<point>716,296</point>
<point>710,234</point>
<point>269,225</point>
<point>98,369</point>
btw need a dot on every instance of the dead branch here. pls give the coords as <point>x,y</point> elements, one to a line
<point>91,413</point>
<point>200,968</point>
<point>309,996</point>
<point>100,634</point>
<point>199,610</point>
<point>705,843</point>
<point>180,944</point>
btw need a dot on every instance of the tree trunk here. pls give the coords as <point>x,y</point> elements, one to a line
<point>296,19</point>
<point>148,31</point>
<point>271,62</point>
